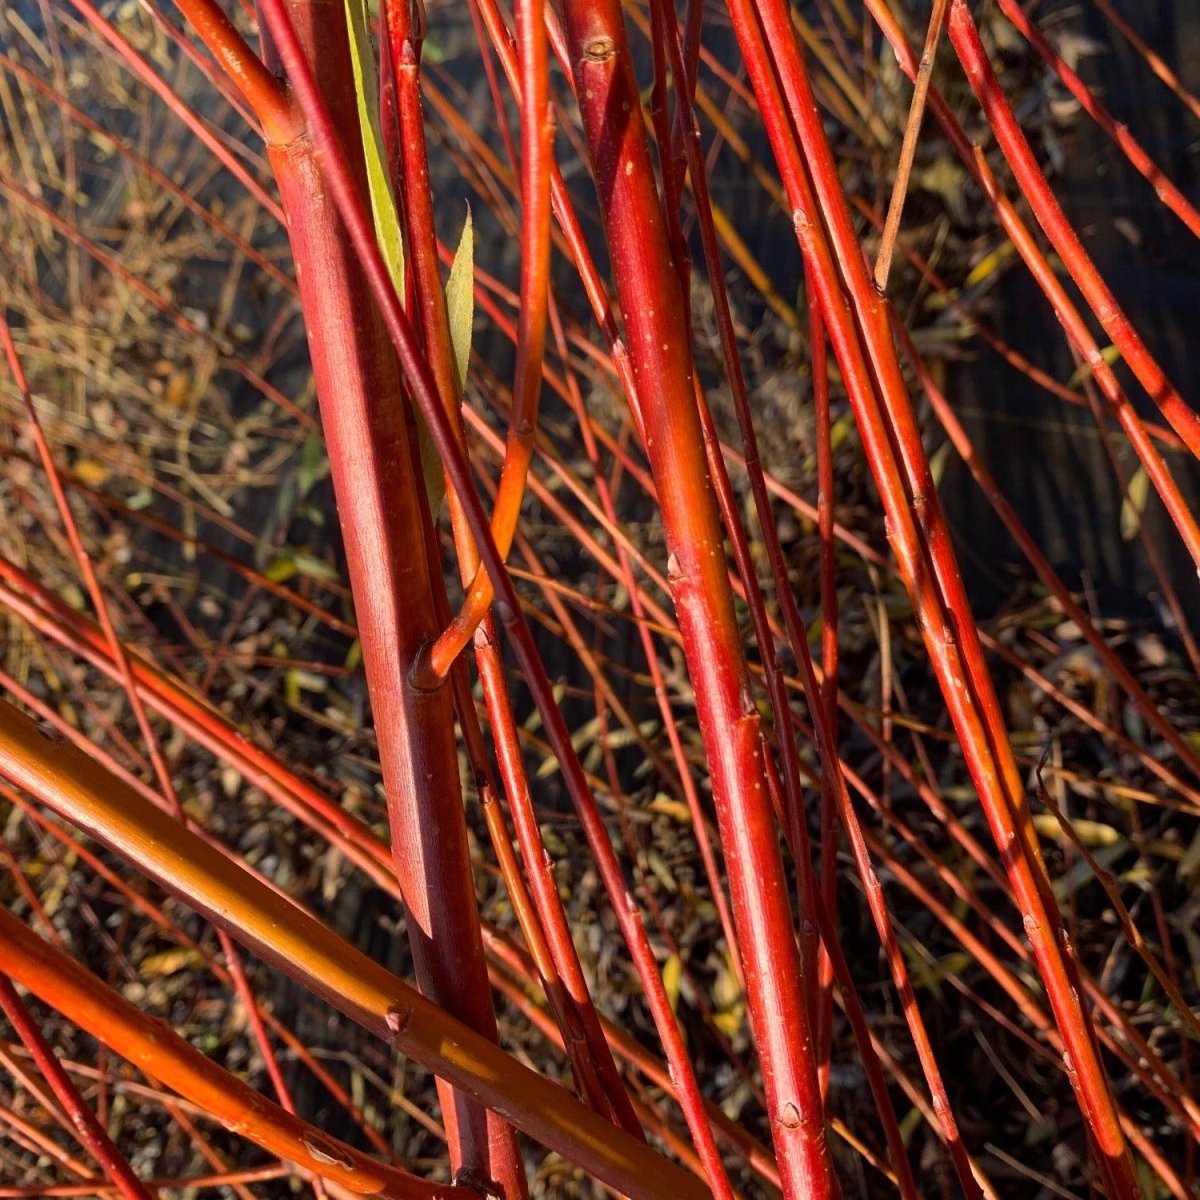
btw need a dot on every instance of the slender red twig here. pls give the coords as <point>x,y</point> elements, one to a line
<point>918,532</point>
<point>965,38</point>
<point>89,1129</point>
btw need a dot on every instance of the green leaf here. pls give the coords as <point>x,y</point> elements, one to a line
<point>1134,504</point>
<point>1090,833</point>
<point>460,299</point>
<point>937,462</point>
<point>383,207</point>
<point>460,308</point>
<point>314,568</point>
<point>281,569</point>
<point>366,87</point>
<point>298,562</point>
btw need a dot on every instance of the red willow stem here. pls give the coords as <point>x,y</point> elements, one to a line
<point>346,196</point>
<point>1164,189</point>
<point>160,179</point>
<point>664,1020</point>
<point>828,874</point>
<point>430,670</point>
<point>411,172</point>
<point>1138,433</point>
<point>918,534</point>
<point>139,67</point>
<point>832,783</point>
<point>164,305</point>
<point>1157,469</point>
<point>1159,68</point>
<point>625,575</point>
<point>691,162</point>
<point>964,36</point>
<point>609,1093</point>
<point>818,969</point>
<point>84,1121</point>
<point>1042,566</point>
<point>386,527</point>
<point>1064,309</point>
<point>659,345</point>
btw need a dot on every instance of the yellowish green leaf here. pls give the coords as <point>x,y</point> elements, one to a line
<point>91,472</point>
<point>1134,504</point>
<point>366,86</point>
<point>672,974</point>
<point>1110,354</point>
<point>1090,833</point>
<point>460,298</point>
<point>169,962</point>
<point>662,803</point>
<point>992,263</point>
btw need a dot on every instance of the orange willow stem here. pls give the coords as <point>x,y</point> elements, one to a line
<point>429,671</point>
<point>163,1054</point>
<point>212,962</point>
<point>537,145</point>
<point>858,325</point>
<point>266,94</point>
<point>659,345</point>
<point>691,162</point>
<point>84,1121</point>
<point>289,938</point>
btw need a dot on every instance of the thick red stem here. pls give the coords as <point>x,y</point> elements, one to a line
<point>386,528</point>
<point>660,352</point>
